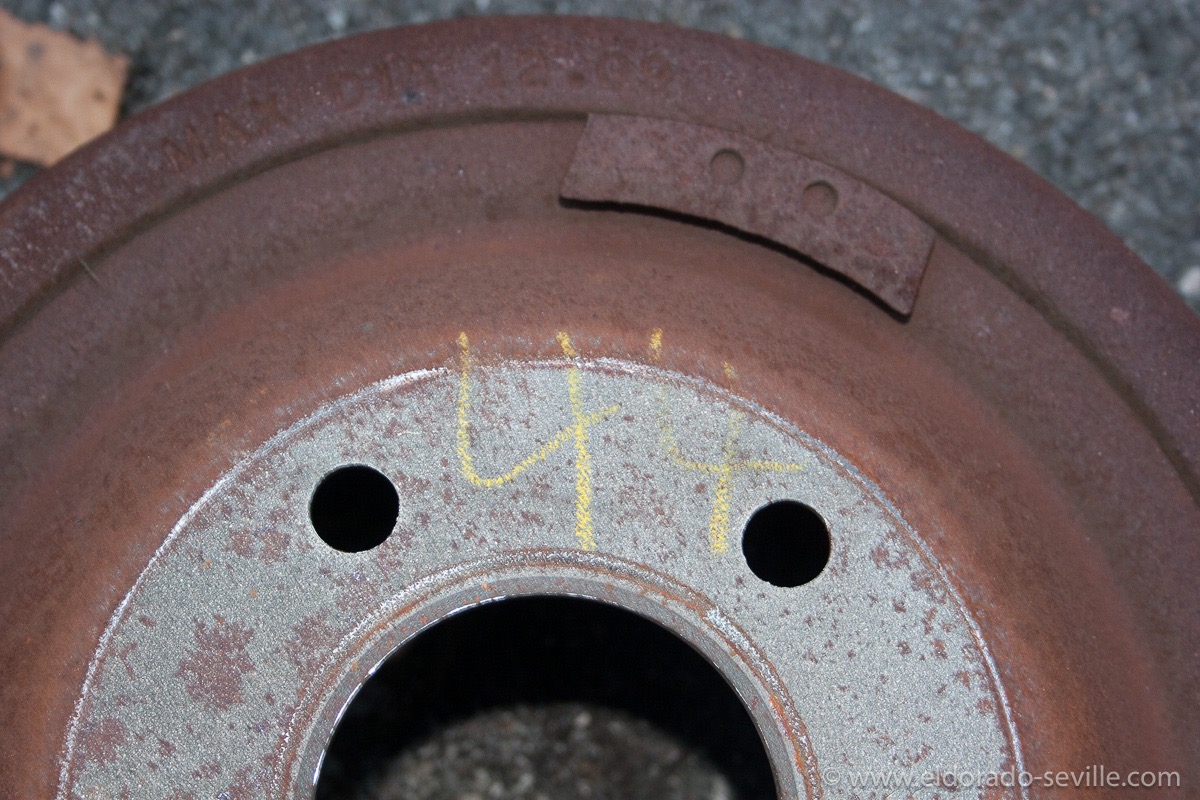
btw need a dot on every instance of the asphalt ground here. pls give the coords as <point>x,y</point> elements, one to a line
<point>1102,99</point>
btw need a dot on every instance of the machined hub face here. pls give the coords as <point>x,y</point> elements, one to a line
<point>590,477</point>
<point>387,330</point>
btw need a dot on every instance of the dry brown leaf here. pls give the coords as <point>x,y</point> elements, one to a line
<point>56,92</point>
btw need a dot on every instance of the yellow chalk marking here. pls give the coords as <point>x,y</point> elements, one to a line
<point>583,459</point>
<point>564,341</point>
<point>577,431</point>
<point>719,523</point>
<point>656,343</point>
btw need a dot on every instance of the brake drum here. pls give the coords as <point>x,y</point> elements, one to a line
<point>318,354</point>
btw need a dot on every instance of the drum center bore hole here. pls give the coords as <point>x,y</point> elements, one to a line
<point>546,697</point>
<point>786,543</point>
<point>354,508</point>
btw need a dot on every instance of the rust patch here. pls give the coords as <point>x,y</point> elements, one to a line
<point>250,782</point>
<point>241,543</point>
<point>311,638</point>
<point>271,544</point>
<point>274,545</point>
<point>100,742</point>
<point>214,670</point>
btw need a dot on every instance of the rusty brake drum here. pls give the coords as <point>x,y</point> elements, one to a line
<point>320,353</point>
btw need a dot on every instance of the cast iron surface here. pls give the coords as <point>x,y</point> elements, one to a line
<point>1095,97</point>
<point>236,260</point>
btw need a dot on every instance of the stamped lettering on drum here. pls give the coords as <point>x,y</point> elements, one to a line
<point>396,81</point>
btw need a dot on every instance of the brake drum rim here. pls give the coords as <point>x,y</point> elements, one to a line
<point>60,180</point>
<point>977,181</point>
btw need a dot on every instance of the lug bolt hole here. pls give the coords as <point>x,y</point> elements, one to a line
<point>354,508</point>
<point>786,543</point>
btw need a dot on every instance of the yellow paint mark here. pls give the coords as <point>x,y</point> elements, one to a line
<point>719,522</point>
<point>583,458</point>
<point>577,431</point>
<point>656,343</point>
<point>564,341</point>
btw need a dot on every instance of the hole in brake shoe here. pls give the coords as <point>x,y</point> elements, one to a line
<point>805,205</point>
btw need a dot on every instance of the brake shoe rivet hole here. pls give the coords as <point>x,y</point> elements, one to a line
<point>727,167</point>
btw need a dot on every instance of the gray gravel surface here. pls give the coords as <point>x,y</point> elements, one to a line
<point>547,752</point>
<point>1100,98</point>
